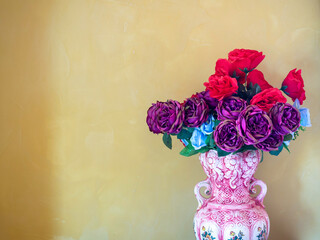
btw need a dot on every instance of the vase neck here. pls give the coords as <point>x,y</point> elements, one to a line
<point>230,176</point>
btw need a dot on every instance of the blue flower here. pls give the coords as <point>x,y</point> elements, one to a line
<point>198,139</point>
<point>305,118</point>
<point>207,127</point>
<point>199,134</point>
<point>305,114</point>
<point>185,142</point>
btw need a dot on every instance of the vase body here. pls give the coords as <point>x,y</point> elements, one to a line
<point>230,212</point>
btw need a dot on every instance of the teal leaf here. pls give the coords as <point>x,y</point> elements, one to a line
<point>242,91</point>
<point>184,134</point>
<point>261,157</point>
<point>246,148</point>
<point>286,147</point>
<point>252,91</point>
<point>212,143</point>
<point>234,74</point>
<point>216,122</point>
<point>283,88</point>
<point>222,153</point>
<point>189,129</point>
<point>277,152</point>
<point>245,70</point>
<point>167,140</point>
<point>257,88</point>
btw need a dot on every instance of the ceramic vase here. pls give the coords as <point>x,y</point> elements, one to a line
<point>229,212</point>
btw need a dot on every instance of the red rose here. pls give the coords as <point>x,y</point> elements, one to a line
<point>267,98</point>
<point>293,85</point>
<point>245,58</point>
<point>225,67</point>
<point>256,77</point>
<point>221,87</point>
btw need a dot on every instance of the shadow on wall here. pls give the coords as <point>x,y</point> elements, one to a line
<point>25,170</point>
<point>290,217</point>
<point>283,200</point>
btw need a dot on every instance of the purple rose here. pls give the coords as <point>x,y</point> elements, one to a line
<point>230,108</point>
<point>226,136</point>
<point>285,118</point>
<point>152,114</point>
<point>210,101</point>
<point>272,143</point>
<point>254,125</point>
<point>165,117</point>
<point>196,112</point>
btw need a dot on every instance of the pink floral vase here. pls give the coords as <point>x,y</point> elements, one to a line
<point>230,212</point>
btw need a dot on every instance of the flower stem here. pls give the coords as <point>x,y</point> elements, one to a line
<point>245,81</point>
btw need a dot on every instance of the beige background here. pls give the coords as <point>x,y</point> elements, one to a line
<point>76,159</point>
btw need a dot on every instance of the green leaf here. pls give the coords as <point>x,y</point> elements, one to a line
<point>188,151</point>
<point>222,153</point>
<point>295,135</point>
<point>252,91</point>
<point>245,70</point>
<point>286,147</point>
<point>203,150</point>
<point>208,139</point>
<point>302,128</point>
<point>242,91</point>
<point>167,140</point>
<point>184,134</point>
<point>287,137</point>
<point>277,152</point>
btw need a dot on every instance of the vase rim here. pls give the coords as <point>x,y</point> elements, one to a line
<point>233,153</point>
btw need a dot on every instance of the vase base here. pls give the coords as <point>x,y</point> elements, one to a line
<point>225,223</point>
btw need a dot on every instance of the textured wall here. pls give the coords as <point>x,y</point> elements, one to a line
<point>76,159</point>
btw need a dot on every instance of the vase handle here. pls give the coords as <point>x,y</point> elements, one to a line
<point>263,192</point>
<point>208,192</point>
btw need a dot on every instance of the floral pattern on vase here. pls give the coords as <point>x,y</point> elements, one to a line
<point>263,233</point>
<point>206,235</point>
<point>236,237</point>
<point>230,208</point>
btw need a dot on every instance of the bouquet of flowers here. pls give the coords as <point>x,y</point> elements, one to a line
<point>238,111</point>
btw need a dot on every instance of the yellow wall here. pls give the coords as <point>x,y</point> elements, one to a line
<point>77,76</point>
